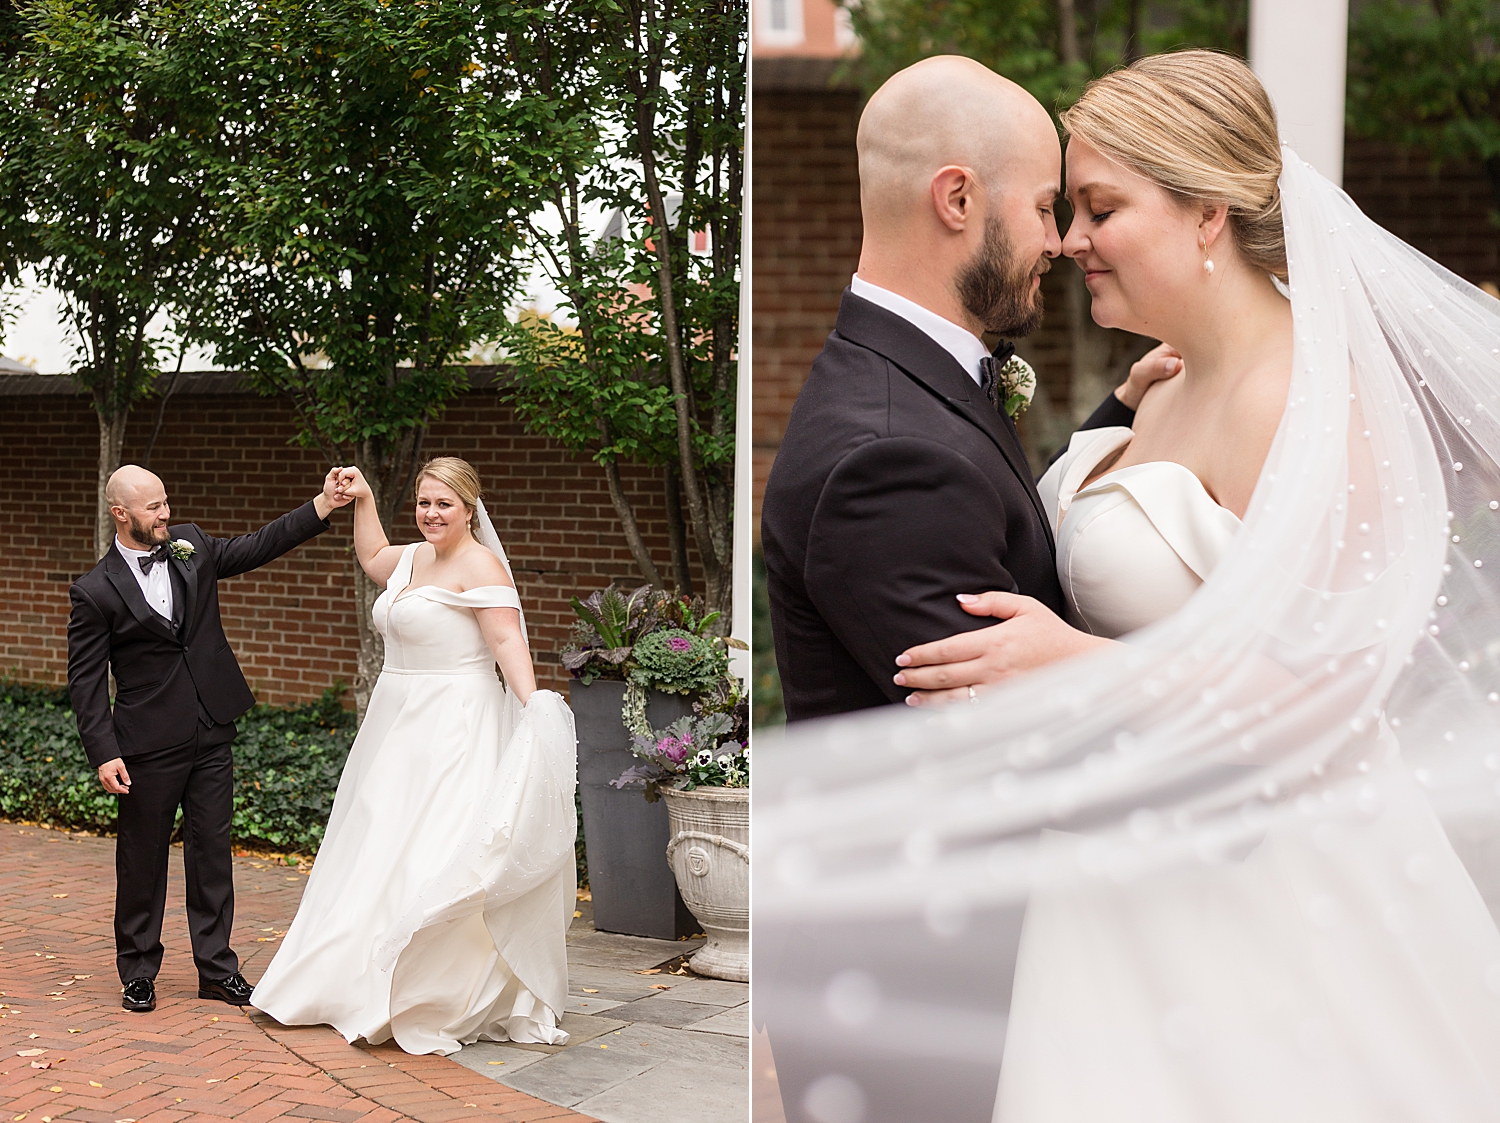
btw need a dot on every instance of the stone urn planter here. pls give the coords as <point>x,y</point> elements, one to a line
<point>632,885</point>
<point>710,856</point>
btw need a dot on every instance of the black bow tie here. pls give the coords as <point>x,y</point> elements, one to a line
<point>160,554</point>
<point>989,373</point>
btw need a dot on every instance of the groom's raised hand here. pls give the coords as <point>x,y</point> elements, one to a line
<point>1030,635</point>
<point>333,495</point>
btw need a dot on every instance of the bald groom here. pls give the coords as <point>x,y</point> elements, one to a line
<point>900,482</point>
<point>149,612</point>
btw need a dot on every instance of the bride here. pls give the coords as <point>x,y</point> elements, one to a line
<point>438,908</point>
<point>1227,865</point>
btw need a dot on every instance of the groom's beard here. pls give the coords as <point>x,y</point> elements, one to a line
<point>146,531</point>
<point>998,293</point>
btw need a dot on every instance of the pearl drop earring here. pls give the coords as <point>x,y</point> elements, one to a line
<point>1208,265</point>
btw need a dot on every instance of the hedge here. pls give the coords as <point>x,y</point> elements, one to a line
<point>286,769</point>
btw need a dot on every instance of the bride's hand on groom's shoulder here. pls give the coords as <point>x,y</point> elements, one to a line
<point>1031,635</point>
<point>1157,365</point>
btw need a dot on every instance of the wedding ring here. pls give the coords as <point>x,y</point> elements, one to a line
<point>973,697</point>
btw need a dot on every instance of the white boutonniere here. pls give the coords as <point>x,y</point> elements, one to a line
<point>182,549</point>
<point>1017,383</point>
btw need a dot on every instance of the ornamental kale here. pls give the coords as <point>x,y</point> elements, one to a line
<point>678,662</point>
<point>690,753</point>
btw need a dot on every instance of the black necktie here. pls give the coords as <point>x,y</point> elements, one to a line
<point>160,554</point>
<point>989,373</point>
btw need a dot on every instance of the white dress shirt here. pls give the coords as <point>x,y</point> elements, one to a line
<point>958,341</point>
<point>156,586</point>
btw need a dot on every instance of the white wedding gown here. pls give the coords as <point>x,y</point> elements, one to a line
<point>1216,995</point>
<point>438,908</point>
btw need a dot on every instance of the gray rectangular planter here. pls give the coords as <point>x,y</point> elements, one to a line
<point>625,837</point>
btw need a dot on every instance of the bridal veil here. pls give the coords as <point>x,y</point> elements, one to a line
<point>1309,750</point>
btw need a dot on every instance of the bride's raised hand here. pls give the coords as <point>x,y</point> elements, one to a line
<point>353,484</point>
<point>1158,364</point>
<point>1031,635</point>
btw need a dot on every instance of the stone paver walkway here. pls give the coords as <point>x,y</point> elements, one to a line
<point>67,1050</point>
<point>646,1046</point>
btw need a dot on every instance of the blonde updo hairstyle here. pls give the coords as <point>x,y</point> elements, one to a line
<point>1200,125</point>
<point>459,475</point>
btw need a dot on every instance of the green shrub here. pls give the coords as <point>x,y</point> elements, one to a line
<point>287,764</point>
<point>286,768</point>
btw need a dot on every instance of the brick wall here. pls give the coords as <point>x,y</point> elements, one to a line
<point>804,247</point>
<point>227,466</point>
<point>807,232</point>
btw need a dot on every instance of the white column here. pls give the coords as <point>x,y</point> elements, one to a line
<point>1299,49</point>
<point>739,662</point>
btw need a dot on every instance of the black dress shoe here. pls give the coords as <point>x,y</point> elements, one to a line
<point>139,996</point>
<point>233,990</point>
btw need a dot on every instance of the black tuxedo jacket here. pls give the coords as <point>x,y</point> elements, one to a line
<point>897,486</point>
<point>167,673</point>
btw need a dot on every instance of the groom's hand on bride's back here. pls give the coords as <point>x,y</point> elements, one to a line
<point>1030,635</point>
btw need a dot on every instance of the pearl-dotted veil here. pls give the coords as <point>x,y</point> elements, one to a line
<point>1326,707</point>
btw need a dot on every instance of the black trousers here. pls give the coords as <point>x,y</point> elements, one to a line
<point>198,777</point>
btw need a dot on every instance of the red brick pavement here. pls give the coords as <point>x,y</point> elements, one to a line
<point>191,1058</point>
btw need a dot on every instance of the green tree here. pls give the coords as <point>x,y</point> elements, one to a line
<point>1426,74</point>
<point>106,118</point>
<point>387,157</point>
<point>1052,48</point>
<point>648,374</point>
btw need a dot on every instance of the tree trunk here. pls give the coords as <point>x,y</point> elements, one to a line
<point>677,534</point>
<point>1067,32</point>
<point>371,646</point>
<point>1090,376</point>
<point>388,469</point>
<point>626,514</point>
<point>111,444</point>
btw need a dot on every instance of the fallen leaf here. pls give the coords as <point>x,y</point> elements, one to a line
<point>576,914</point>
<point>33,1036</point>
<point>55,1088</point>
<point>95,1084</point>
<point>75,1031</point>
<point>590,990</point>
<point>652,971</point>
<point>604,1046</point>
<point>41,1064</point>
<point>491,1062</point>
<point>216,1079</point>
<point>213,1019</point>
<point>58,896</point>
<point>31,1052</point>
<point>83,976</point>
<point>661,986</point>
